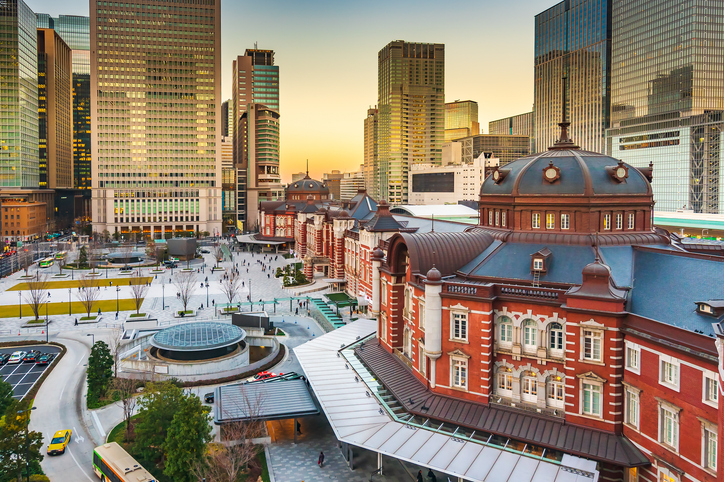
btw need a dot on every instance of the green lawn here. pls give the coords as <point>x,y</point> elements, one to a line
<point>106,306</point>
<point>56,285</point>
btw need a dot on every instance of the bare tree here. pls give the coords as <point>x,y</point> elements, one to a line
<point>218,254</point>
<point>61,263</point>
<point>37,293</point>
<point>126,254</point>
<point>151,249</point>
<point>88,292</point>
<point>139,288</point>
<point>231,286</point>
<point>226,461</point>
<point>126,390</point>
<point>93,254</point>
<point>114,345</point>
<point>185,283</point>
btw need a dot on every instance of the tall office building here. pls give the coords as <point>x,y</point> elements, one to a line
<point>411,98</point>
<point>517,125</point>
<point>573,41</point>
<point>55,111</point>
<point>255,97</point>
<point>461,119</point>
<point>156,117</point>
<point>228,185</point>
<point>503,147</point>
<point>19,98</point>
<point>667,98</point>
<point>227,119</point>
<point>370,164</point>
<point>75,32</point>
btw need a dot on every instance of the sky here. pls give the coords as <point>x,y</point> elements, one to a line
<point>326,51</point>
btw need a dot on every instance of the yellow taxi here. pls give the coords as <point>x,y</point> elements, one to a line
<point>59,442</point>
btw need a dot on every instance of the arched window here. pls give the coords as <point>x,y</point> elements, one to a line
<point>505,331</point>
<point>504,384</point>
<point>407,342</point>
<point>530,335</point>
<point>408,303</point>
<point>555,390</point>
<point>529,387</point>
<point>555,339</point>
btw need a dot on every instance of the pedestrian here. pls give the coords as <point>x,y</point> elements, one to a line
<point>419,476</point>
<point>99,312</point>
<point>299,428</point>
<point>431,475</point>
<point>76,322</point>
<point>116,315</point>
<point>320,462</point>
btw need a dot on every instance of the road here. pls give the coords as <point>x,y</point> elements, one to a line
<point>22,376</point>
<point>57,407</point>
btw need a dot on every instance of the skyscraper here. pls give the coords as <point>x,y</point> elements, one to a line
<point>156,117</point>
<point>517,125</point>
<point>370,165</point>
<point>255,96</point>
<point>19,98</point>
<point>667,98</point>
<point>573,42</point>
<point>55,111</point>
<point>75,31</point>
<point>227,119</point>
<point>411,97</point>
<point>461,119</point>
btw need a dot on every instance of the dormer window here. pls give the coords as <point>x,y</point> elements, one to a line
<point>714,308</point>
<point>538,264</point>
<point>540,261</point>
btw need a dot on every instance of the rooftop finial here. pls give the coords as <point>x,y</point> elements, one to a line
<point>307,168</point>
<point>432,229</point>
<point>564,143</point>
<point>595,248</point>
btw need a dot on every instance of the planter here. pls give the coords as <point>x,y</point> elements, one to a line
<point>94,274</point>
<point>217,268</point>
<point>61,276</point>
<point>187,314</point>
<point>126,273</point>
<point>89,319</point>
<point>36,323</point>
<point>137,316</point>
<point>157,271</point>
<point>188,270</point>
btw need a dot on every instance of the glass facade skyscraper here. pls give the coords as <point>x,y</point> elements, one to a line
<point>517,125</point>
<point>75,31</point>
<point>156,117</point>
<point>667,98</point>
<point>18,96</point>
<point>411,112</point>
<point>573,41</point>
<point>461,119</point>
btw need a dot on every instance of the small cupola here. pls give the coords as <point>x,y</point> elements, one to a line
<point>540,261</point>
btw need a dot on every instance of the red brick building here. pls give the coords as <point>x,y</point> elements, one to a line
<point>563,323</point>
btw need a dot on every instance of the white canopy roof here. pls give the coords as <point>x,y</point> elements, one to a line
<point>357,418</point>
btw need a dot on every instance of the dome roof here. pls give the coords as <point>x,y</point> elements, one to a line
<point>198,336</point>
<point>573,172</point>
<point>307,185</point>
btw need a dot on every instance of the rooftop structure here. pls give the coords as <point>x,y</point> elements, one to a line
<point>198,341</point>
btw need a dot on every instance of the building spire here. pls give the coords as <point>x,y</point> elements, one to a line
<point>564,142</point>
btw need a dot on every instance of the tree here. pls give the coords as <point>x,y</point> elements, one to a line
<point>231,286</point>
<point>126,254</point>
<point>125,388</point>
<point>6,395</point>
<point>19,447</point>
<point>88,292</point>
<point>139,288</point>
<point>94,255</point>
<point>61,264</point>
<point>218,254</point>
<point>185,283</point>
<point>114,345</point>
<point>116,235</point>
<point>99,371</point>
<point>37,293</point>
<point>105,235</point>
<point>83,257</point>
<point>186,439</point>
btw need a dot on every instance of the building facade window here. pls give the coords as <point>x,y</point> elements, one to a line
<point>529,384</point>
<point>383,326</point>
<point>592,399</point>
<point>555,339</point>
<point>709,445</point>
<point>633,358</point>
<point>530,335</point>
<point>502,218</point>
<point>619,221</point>
<point>669,372</point>
<point>497,218</point>
<point>505,382</point>
<point>550,221</point>
<point>407,303</point>
<point>592,345</point>
<point>383,292</point>
<point>669,426</point>
<point>422,360</point>
<point>459,372</point>
<point>565,221</point>
<point>536,221</point>
<point>711,389</point>
<point>490,218</point>
<point>631,220</point>
<point>606,222</point>
<point>666,475</point>
<point>505,335</point>
<point>631,408</point>
<point>537,264</point>
<point>459,328</point>
<point>556,391</point>
<point>421,314</point>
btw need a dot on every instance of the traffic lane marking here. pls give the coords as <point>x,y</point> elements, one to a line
<point>79,466</point>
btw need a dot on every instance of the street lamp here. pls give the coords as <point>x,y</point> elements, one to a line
<point>20,304</point>
<point>69,312</point>
<point>94,337</point>
<point>46,309</point>
<point>163,298</point>
<point>207,293</point>
<point>118,289</point>
<point>27,445</point>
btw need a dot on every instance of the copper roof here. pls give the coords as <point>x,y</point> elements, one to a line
<point>513,423</point>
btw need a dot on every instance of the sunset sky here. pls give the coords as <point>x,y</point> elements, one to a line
<point>327,55</point>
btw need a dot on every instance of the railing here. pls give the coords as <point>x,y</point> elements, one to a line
<point>549,411</point>
<point>461,289</point>
<point>543,293</point>
<point>403,358</point>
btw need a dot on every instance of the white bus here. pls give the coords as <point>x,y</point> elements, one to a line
<point>113,464</point>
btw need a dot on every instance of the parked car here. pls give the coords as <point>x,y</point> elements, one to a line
<point>46,358</point>
<point>264,376</point>
<point>16,357</point>
<point>209,397</point>
<point>4,357</point>
<point>205,251</point>
<point>59,442</point>
<point>170,264</point>
<point>32,356</point>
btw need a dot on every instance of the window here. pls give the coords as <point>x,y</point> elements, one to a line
<point>383,325</point>
<point>383,292</point>
<point>665,475</point>
<point>631,219</point>
<point>530,387</point>
<point>408,303</point>
<point>505,382</point>
<point>537,264</point>
<point>423,359</point>
<point>555,339</point>
<point>669,372</point>
<point>536,221</point>
<point>709,444</point>
<point>490,218</point>
<point>633,357</point>
<point>530,335</point>
<point>631,413</point>
<point>565,221</point>
<point>459,326</point>
<point>506,331</point>
<point>669,426</point>
<point>556,392</point>
<point>711,389</point>
<point>550,221</point>
<point>497,218</point>
<point>592,344</point>
<point>502,218</point>
<point>459,372</point>
<point>421,315</point>
<point>619,221</point>
<point>606,221</point>
<point>592,395</point>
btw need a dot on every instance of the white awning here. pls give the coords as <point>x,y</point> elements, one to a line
<point>358,418</point>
